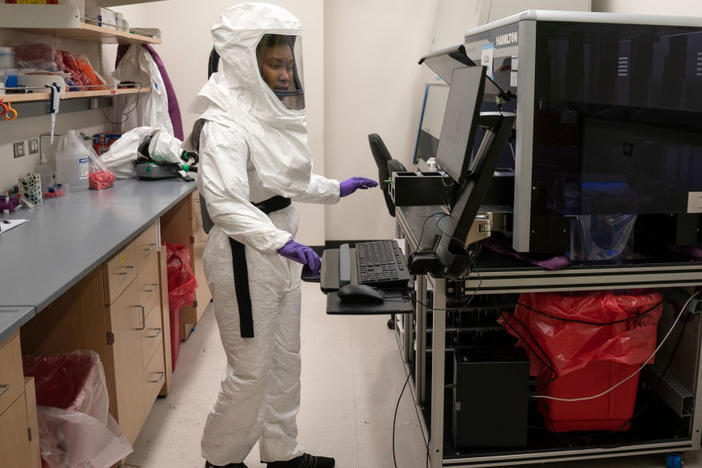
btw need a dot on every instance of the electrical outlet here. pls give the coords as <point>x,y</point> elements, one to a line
<point>33,145</point>
<point>18,149</point>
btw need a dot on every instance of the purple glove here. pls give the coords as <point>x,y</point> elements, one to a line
<point>301,254</point>
<point>349,186</point>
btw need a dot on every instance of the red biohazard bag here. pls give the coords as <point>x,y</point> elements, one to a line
<point>573,330</point>
<point>181,279</point>
<point>75,426</point>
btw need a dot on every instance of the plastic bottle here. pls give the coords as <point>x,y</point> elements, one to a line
<point>72,164</point>
<point>7,57</point>
<point>46,172</point>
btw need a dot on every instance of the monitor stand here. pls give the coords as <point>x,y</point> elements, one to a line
<point>451,250</point>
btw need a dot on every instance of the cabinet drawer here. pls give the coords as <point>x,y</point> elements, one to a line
<point>15,448</point>
<point>154,376</point>
<point>11,374</point>
<point>121,270</point>
<point>151,336</point>
<point>148,291</point>
<point>145,246</point>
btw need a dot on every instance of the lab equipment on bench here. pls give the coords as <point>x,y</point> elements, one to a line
<point>604,125</point>
<point>55,101</point>
<point>30,187</point>
<point>160,156</point>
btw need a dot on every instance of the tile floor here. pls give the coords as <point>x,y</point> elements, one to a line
<point>352,374</point>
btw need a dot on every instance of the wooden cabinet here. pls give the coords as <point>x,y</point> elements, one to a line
<point>146,246</point>
<point>11,374</point>
<point>15,445</point>
<point>126,323</point>
<point>30,396</point>
<point>119,310</point>
<point>120,272</point>
<point>19,446</point>
<point>136,324</point>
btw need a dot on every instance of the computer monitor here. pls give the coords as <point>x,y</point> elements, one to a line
<point>458,130</point>
<point>430,120</point>
<point>451,248</point>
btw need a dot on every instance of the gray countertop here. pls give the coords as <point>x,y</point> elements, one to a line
<point>68,237</point>
<point>11,318</point>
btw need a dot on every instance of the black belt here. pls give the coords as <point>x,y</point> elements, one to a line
<point>241,273</point>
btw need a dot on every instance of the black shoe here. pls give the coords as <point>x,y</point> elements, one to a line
<point>305,461</point>
<point>231,465</point>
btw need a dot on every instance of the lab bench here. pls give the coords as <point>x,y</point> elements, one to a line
<point>88,271</point>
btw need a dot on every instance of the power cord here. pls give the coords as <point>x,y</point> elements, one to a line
<point>394,419</point>
<point>597,324</point>
<point>424,226</point>
<point>622,382</point>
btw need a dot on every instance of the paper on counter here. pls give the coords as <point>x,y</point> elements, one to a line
<point>7,224</point>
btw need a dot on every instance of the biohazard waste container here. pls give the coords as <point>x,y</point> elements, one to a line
<point>75,426</point>
<point>583,344</point>
<point>181,291</point>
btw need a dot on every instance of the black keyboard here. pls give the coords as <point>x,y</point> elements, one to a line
<point>381,264</point>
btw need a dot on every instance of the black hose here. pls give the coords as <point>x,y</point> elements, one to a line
<point>213,63</point>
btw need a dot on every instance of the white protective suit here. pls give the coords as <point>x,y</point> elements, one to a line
<point>147,109</point>
<point>253,148</point>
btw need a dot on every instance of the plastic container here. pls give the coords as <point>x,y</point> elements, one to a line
<point>75,426</point>
<point>611,412</point>
<point>46,172</point>
<point>7,57</point>
<point>73,162</point>
<point>585,344</point>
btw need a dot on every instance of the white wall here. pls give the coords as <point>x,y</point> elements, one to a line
<point>372,85</point>
<point>186,46</point>
<point>492,10</point>
<point>652,7</point>
<point>453,19</point>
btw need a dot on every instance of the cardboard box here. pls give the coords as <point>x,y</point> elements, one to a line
<point>100,16</point>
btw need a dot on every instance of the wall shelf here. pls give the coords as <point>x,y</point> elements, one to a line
<point>64,21</point>
<point>113,3</point>
<point>34,97</point>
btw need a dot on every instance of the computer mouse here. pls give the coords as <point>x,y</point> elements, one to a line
<point>360,294</point>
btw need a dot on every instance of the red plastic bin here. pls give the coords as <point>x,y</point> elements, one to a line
<point>611,412</point>
<point>588,342</point>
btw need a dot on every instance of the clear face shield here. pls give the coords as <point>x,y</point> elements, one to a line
<point>280,63</point>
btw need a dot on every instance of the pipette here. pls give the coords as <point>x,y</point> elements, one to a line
<point>54,103</point>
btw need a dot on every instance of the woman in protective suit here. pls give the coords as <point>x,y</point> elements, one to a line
<point>254,160</point>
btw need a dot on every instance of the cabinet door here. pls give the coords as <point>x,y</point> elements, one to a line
<point>154,375</point>
<point>11,377</point>
<point>127,322</point>
<point>15,448</point>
